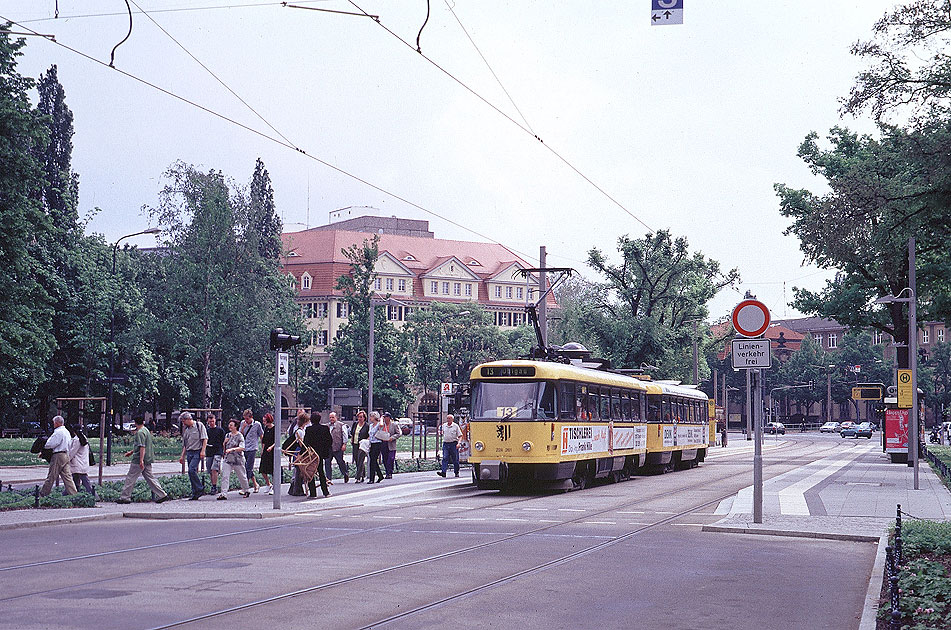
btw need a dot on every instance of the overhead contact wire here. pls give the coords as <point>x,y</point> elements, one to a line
<point>208,70</point>
<point>509,118</point>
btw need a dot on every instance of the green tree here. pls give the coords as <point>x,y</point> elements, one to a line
<point>881,192</point>
<point>26,310</point>
<point>650,299</point>
<point>909,70</point>
<point>347,365</point>
<point>939,364</point>
<point>263,232</point>
<point>58,250</point>
<point>222,296</point>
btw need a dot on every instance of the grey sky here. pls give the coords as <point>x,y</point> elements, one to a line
<point>688,127</point>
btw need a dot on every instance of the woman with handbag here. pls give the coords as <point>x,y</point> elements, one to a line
<point>233,460</point>
<point>379,438</point>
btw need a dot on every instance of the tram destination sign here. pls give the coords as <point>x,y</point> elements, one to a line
<point>751,354</point>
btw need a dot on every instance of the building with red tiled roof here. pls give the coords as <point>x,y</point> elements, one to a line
<point>416,270</point>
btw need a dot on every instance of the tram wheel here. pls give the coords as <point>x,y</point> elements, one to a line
<point>580,480</point>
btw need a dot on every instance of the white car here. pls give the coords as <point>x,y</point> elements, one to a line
<point>829,427</point>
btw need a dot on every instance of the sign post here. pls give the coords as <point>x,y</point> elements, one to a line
<point>751,319</point>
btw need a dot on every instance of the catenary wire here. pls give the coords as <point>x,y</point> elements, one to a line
<point>489,66</point>
<point>215,76</point>
<point>558,155</point>
<point>175,10</point>
<point>281,143</point>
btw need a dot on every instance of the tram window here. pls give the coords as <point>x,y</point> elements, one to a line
<point>605,405</point>
<point>504,401</point>
<point>567,401</point>
<point>653,409</point>
<point>626,406</point>
<point>636,406</point>
<point>616,413</point>
<point>546,400</point>
<point>592,404</point>
<point>665,410</point>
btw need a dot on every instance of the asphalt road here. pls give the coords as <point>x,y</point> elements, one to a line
<point>629,554</point>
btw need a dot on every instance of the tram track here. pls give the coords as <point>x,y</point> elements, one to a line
<point>461,510</point>
<point>376,573</point>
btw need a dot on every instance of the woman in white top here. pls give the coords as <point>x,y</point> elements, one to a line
<point>79,459</point>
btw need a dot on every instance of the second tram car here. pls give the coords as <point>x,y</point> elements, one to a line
<point>548,423</point>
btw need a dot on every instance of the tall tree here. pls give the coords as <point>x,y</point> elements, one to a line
<point>881,192</point>
<point>25,307</point>
<point>650,298</point>
<point>222,296</point>
<point>347,365</point>
<point>909,70</point>
<point>59,251</point>
<point>263,225</point>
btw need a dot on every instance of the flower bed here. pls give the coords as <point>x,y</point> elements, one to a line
<point>924,578</point>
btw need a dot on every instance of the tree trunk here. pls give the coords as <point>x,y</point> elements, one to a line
<point>206,371</point>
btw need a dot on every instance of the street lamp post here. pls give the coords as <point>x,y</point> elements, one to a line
<point>912,360</point>
<point>112,344</point>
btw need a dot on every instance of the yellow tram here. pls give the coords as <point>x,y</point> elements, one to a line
<point>543,422</point>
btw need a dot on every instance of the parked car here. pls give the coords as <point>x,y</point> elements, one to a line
<point>775,428</point>
<point>829,427</point>
<point>864,430</point>
<point>849,429</point>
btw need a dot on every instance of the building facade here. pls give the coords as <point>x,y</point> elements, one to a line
<point>413,267</point>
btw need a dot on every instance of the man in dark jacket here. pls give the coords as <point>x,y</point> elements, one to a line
<point>317,436</point>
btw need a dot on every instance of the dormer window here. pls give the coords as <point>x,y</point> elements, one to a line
<point>305,281</point>
<point>409,257</point>
<point>474,263</point>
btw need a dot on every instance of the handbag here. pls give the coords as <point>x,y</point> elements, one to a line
<point>92,458</point>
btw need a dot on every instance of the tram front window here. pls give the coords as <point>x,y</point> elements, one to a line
<point>513,401</point>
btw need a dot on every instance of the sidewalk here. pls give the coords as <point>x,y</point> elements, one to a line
<point>403,487</point>
<point>30,475</point>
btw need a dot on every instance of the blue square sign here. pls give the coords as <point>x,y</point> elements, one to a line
<point>665,12</point>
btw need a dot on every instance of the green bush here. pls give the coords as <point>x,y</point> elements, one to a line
<point>21,499</point>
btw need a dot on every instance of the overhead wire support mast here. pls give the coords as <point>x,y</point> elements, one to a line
<point>543,351</point>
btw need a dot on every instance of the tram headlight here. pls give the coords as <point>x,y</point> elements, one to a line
<point>526,446</point>
<point>479,446</point>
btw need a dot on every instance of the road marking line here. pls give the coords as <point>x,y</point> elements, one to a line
<point>570,510</point>
<point>518,520</point>
<point>599,523</point>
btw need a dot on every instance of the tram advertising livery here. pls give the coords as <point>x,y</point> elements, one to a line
<point>547,422</point>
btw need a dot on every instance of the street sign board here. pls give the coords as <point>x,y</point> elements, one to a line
<point>904,389</point>
<point>346,396</point>
<point>750,354</point>
<point>868,391</point>
<point>750,318</point>
<point>448,389</point>
<point>283,370</point>
<point>665,12</point>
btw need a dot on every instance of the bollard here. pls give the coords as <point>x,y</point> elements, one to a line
<point>898,537</point>
<point>36,496</point>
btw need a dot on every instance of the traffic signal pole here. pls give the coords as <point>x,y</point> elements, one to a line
<point>278,432</point>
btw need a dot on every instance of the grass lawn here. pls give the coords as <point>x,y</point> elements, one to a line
<point>16,451</point>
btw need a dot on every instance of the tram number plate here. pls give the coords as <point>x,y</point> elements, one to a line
<point>505,412</point>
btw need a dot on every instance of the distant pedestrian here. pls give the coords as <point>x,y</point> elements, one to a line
<point>358,433</point>
<point>194,443</point>
<point>450,445</point>
<point>216,440</point>
<point>389,453</point>
<point>267,452</point>
<point>339,434</point>
<point>317,436</point>
<point>142,454</point>
<point>79,459</point>
<point>59,462</point>
<point>379,436</point>
<point>253,432</point>
<point>233,460</point>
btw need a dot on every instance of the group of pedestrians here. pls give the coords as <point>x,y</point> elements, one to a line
<point>234,448</point>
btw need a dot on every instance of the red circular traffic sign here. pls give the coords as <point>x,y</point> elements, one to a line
<point>750,318</point>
